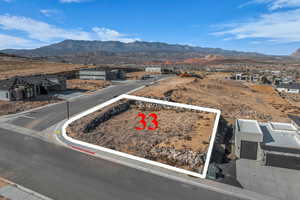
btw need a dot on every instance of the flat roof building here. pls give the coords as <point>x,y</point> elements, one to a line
<point>101,74</point>
<point>272,144</point>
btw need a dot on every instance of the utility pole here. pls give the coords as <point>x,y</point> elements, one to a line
<point>68,109</point>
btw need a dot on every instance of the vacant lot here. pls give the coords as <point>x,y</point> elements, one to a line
<point>138,75</point>
<point>11,107</point>
<point>17,66</point>
<point>235,99</point>
<point>89,85</point>
<point>181,138</point>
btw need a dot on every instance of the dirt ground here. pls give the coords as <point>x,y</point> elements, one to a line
<point>178,131</point>
<point>137,75</point>
<point>25,67</point>
<point>2,183</point>
<point>11,107</point>
<point>89,85</point>
<point>235,99</point>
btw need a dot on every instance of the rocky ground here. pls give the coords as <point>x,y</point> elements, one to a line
<point>11,107</point>
<point>88,85</point>
<point>234,98</point>
<point>181,139</point>
<point>138,75</point>
<point>11,66</point>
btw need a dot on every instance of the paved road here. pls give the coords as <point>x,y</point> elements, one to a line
<point>44,118</point>
<point>64,174</point>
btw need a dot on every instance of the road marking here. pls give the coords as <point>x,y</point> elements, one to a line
<point>82,150</point>
<point>25,116</point>
<point>144,160</point>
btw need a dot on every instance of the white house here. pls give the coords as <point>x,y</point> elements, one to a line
<point>153,69</point>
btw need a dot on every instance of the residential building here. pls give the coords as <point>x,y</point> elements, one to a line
<point>270,144</point>
<point>153,69</point>
<point>289,87</point>
<point>101,74</point>
<point>19,88</point>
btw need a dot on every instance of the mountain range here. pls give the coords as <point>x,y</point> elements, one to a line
<point>296,53</point>
<point>95,52</point>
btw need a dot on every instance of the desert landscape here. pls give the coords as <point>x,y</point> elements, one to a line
<point>235,99</point>
<point>181,138</point>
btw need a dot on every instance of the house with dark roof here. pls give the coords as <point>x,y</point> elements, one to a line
<point>289,87</point>
<point>20,88</point>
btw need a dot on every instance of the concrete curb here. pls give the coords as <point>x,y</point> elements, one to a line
<point>49,105</point>
<point>26,189</point>
<point>198,182</point>
<point>144,160</point>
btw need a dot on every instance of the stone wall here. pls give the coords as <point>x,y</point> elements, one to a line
<point>122,107</point>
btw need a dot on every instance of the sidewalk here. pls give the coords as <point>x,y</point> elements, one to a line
<point>12,191</point>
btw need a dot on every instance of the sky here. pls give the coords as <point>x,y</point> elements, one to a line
<point>264,26</point>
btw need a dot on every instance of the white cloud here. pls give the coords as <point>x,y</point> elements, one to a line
<point>39,30</point>
<point>106,34</point>
<point>49,12</point>
<point>47,33</point>
<point>7,41</point>
<point>276,27</point>
<point>275,4</point>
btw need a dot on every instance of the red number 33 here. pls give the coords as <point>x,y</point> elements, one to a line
<point>144,123</point>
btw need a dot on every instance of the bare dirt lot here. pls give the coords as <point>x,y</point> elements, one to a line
<point>181,139</point>
<point>11,66</point>
<point>138,75</point>
<point>235,99</point>
<point>11,107</point>
<point>2,184</point>
<point>89,85</point>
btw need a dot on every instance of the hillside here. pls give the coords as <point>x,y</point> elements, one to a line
<point>296,53</point>
<point>11,65</point>
<point>96,52</point>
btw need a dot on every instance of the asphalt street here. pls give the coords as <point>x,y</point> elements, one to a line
<point>43,118</point>
<point>64,174</point>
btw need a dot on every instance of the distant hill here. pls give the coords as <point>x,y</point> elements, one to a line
<point>11,65</point>
<point>296,53</point>
<point>87,52</point>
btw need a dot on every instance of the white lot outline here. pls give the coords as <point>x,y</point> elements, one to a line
<point>125,96</point>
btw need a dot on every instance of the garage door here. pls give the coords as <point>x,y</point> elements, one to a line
<point>249,150</point>
<point>282,161</point>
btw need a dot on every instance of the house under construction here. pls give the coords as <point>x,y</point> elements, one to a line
<point>20,88</point>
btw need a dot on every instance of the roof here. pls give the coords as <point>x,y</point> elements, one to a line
<point>295,119</point>
<point>289,86</point>
<point>94,69</point>
<point>248,126</point>
<point>7,84</point>
<point>37,79</point>
<point>281,135</point>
